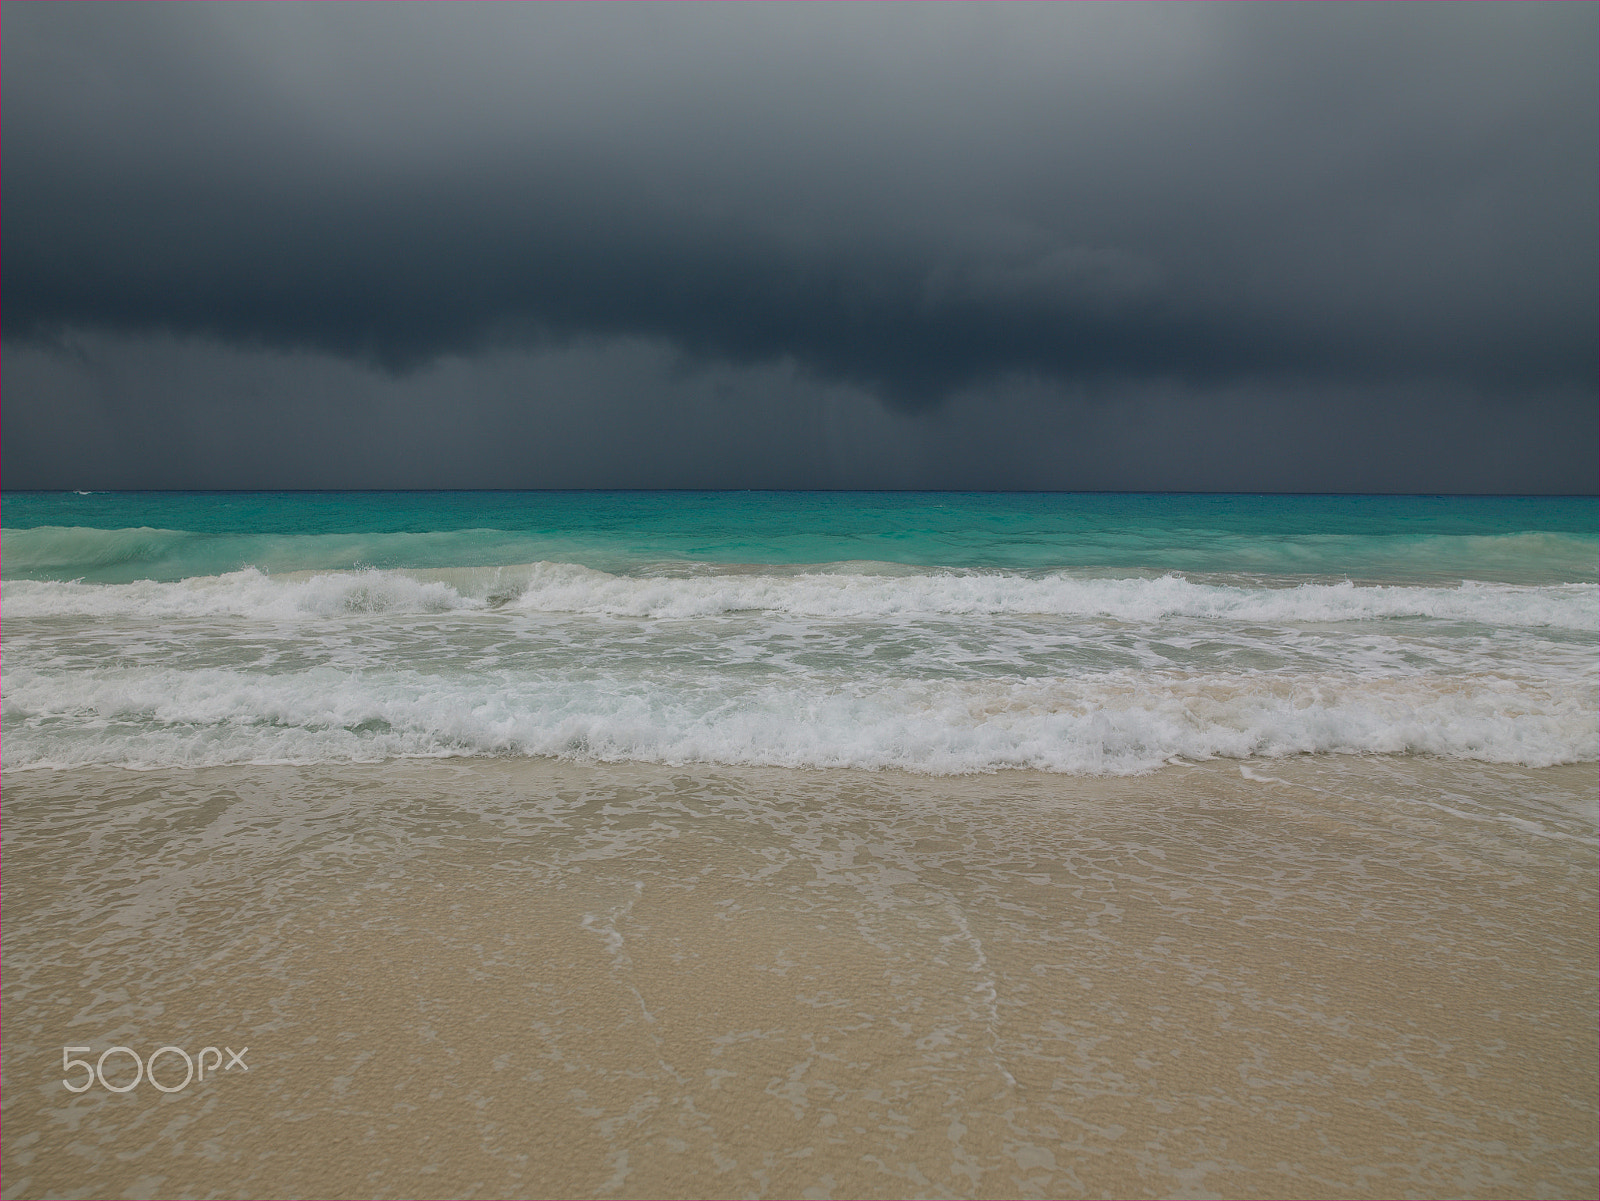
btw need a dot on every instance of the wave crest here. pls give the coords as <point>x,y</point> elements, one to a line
<point>570,588</point>
<point>1114,722</point>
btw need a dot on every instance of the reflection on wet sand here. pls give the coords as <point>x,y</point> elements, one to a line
<point>1304,977</point>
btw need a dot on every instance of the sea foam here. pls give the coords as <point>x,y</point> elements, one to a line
<point>1111,722</point>
<point>863,592</point>
<point>860,664</point>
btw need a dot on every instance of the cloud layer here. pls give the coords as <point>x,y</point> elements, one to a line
<point>917,203</point>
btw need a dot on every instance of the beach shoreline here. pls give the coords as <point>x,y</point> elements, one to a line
<point>1308,976</point>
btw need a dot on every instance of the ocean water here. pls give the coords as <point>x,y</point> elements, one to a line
<point>449,807</point>
<point>935,632</point>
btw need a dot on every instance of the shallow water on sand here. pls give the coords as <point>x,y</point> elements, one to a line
<point>1305,976</point>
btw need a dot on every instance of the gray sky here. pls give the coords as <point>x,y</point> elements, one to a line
<point>1172,246</point>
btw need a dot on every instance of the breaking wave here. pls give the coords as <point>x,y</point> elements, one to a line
<point>861,591</point>
<point>1112,722</point>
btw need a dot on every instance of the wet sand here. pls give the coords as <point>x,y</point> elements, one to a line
<point>1323,976</point>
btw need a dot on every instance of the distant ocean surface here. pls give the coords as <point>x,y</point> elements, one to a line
<point>937,632</point>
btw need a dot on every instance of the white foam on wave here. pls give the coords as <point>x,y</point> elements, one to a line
<point>570,588</point>
<point>247,593</point>
<point>576,589</point>
<point>1112,722</point>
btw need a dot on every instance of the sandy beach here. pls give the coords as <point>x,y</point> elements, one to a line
<point>1312,976</point>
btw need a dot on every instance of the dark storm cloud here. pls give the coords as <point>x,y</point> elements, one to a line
<point>912,199</point>
<point>124,410</point>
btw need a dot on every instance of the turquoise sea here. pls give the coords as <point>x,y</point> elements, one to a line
<point>938,632</point>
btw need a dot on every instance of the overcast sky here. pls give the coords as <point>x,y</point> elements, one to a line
<point>1078,246</point>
